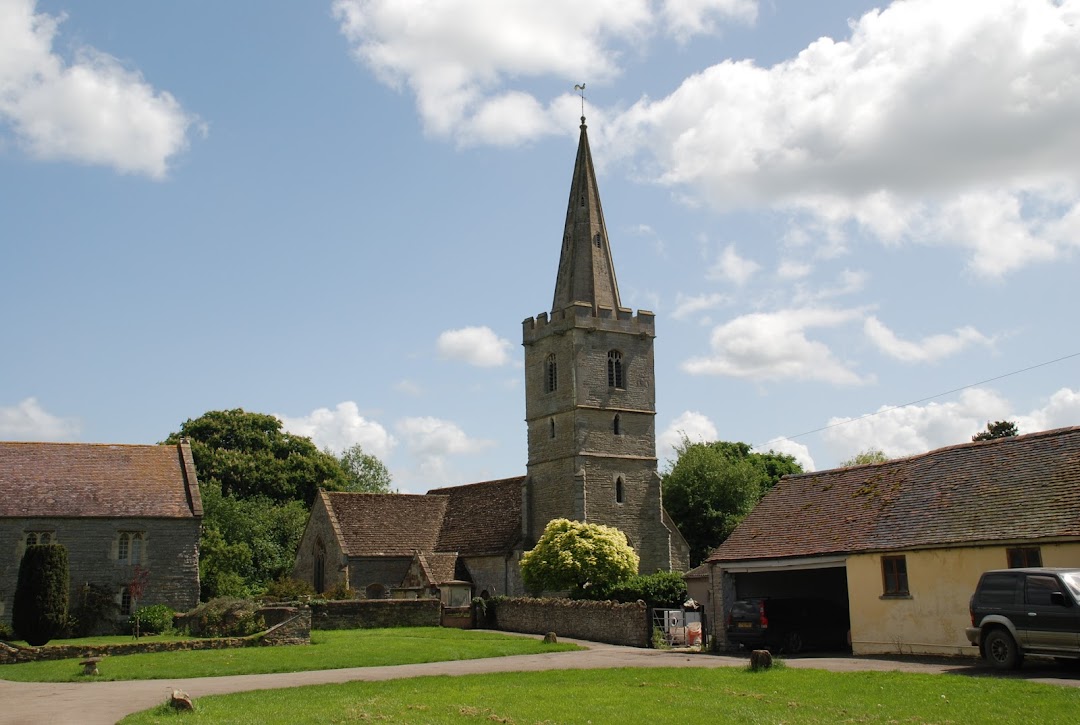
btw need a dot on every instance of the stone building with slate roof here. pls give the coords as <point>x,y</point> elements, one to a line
<point>902,543</point>
<point>590,409</point>
<point>113,507</point>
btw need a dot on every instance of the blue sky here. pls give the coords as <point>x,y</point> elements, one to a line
<point>341,212</point>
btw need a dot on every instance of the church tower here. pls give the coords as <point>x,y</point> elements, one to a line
<point>590,402</point>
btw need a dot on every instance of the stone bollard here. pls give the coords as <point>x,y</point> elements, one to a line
<point>760,659</point>
<point>550,638</point>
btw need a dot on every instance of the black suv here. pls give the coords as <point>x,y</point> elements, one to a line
<point>789,625</point>
<point>1015,612</point>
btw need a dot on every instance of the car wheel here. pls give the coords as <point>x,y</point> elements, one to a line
<point>1001,650</point>
<point>793,643</point>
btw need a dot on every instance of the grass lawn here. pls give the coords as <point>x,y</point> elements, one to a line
<point>328,650</point>
<point>648,696</point>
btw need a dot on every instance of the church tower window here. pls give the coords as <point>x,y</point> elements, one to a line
<point>614,369</point>
<point>596,240</point>
<point>551,374</point>
<point>552,427</point>
<point>616,425</point>
<point>619,490</point>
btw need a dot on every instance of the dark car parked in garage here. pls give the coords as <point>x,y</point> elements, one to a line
<point>1015,612</point>
<point>790,625</point>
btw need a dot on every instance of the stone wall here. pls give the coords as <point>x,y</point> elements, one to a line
<point>375,613</point>
<point>169,552</point>
<point>611,622</point>
<point>294,630</point>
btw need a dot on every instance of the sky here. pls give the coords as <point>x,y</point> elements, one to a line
<point>858,224</point>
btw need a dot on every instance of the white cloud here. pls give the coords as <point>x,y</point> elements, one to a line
<point>408,387</point>
<point>28,421</point>
<point>340,428</point>
<point>690,424</point>
<point>929,349</point>
<point>916,429</point>
<point>937,123</point>
<point>851,282</point>
<point>430,441</point>
<point>732,267</point>
<point>798,451</point>
<point>458,56</point>
<point>774,346</point>
<point>685,18</point>
<point>91,110</point>
<point>478,346</point>
<point>686,306</point>
<point>790,269</point>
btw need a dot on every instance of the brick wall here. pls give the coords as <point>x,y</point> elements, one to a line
<point>374,613</point>
<point>611,622</point>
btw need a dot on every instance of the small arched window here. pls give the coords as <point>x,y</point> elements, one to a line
<point>551,374</point>
<point>552,427</point>
<point>619,490</point>
<point>616,425</point>
<point>614,369</point>
<point>375,591</point>
<point>124,547</point>
<point>319,575</point>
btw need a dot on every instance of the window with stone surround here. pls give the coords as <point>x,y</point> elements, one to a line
<point>551,374</point>
<point>614,369</point>
<point>552,421</point>
<point>619,490</point>
<point>130,547</point>
<point>616,425</point>
<point>39,537</point>
<point>125,601</point>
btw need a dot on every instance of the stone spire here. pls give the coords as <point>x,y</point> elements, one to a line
<point>586,270</point>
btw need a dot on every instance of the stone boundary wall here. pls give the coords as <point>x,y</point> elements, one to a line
<point>294,630</point>
<point>375,613</point>
<point>611,622</point>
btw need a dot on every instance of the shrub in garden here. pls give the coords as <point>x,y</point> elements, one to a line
<point>223,617</point>
<point>664,589</point>
<point>39,611</point>
<point>154,619</point>
<point>93,611</point>
<point>287,589</point>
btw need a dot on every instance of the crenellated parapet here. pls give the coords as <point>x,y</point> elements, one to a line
<point>582,315</point>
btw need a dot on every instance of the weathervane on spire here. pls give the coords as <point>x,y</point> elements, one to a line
<point>581,89</point>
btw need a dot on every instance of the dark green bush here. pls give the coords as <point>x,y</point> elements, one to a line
<point>5,633</point>
<point>222,617</point>
<point>94,611</point>
<point>287,589</point>
<point>39,611</point>
<point>154,619</point>
<point>664,589</point>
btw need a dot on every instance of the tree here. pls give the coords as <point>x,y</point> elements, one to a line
<point>39,611</point>
<point>364,473</point>
<point>712,486</point>
<point>999,429</point>
<point>576,556</point>
<point>870,455</point>
<point>248,454</point>
<point>258,483</point>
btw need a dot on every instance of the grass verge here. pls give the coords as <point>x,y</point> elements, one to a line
<point>328,650</point>
<point>647,696</point>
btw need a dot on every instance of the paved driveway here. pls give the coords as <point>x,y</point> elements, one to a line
<point>91,703</point>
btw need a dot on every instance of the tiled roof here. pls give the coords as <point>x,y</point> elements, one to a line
<point>1019,488</point>
<point>483,518</point>
<point>65,480</point>
<point>386,524</point>
<point>438,568</point>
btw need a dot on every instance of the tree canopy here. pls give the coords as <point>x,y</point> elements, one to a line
<point>364,473</point>
<point>998,429</point>
<point>870,455</point>
<point>575,556</point>
<point>712,486</point>
<point>258,483</point>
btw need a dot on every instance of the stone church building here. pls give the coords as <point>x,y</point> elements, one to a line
<point>590,408</point>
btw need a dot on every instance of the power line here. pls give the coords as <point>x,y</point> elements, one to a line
<point>922,400</point>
